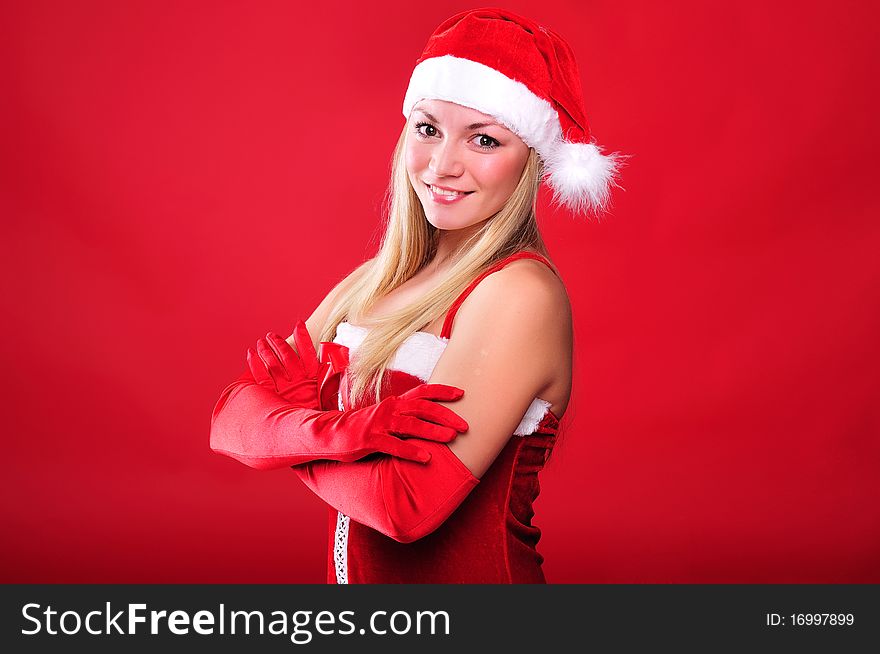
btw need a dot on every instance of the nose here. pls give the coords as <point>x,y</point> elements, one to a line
<point>446,160</point>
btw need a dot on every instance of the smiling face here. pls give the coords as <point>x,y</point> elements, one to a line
<point>463,164</point>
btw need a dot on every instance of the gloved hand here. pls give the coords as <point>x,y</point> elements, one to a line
<point>275,365</point>
<point>253,424</point>
<point>397,497</point>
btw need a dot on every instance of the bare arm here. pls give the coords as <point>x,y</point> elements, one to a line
<point>510,337</point>
<point>503,354</point>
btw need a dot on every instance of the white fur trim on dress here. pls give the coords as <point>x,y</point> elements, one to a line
<point>419,355</point>
<point>534,414</point>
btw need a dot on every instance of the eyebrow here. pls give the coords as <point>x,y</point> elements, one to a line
<point>469,127</point>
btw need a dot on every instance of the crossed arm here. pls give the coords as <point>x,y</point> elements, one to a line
<point>502,357</point>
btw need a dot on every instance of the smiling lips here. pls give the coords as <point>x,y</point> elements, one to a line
<point>446,196</point>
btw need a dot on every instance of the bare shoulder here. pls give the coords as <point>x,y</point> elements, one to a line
<point>510,344</point>
<point>524,290</point>
<point>523,308</point>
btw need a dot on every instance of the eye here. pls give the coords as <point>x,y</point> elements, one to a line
<point>486,142</point>
<point>483,141</point>
<point>430,130</point>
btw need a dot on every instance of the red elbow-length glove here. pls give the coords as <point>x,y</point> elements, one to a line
<point>402,499</point>
<point>255,424</point>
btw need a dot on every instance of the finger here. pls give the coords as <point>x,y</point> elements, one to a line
<point>427,410</point>
<point>306,348</point>
<point>288,357</point>
<point>439,392</point>
<point>403,450</point>
<point>258,370</point>
<point>271,361</point>
<point>410,427</point>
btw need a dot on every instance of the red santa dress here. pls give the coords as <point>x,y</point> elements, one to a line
<point>490,537</point>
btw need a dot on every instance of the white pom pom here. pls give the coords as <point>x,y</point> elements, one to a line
<point>581,176</point>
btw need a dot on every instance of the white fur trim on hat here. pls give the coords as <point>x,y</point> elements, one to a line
<point>475,85</point>
<point>579,174</point>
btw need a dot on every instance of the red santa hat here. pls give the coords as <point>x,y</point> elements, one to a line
<point>524,75</point>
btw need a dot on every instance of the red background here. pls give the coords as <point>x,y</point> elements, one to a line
<point>179,178</point>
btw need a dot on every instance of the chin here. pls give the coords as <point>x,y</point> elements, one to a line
<point>447,224</point>
<point>449,220</point>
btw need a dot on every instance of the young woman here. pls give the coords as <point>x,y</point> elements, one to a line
<point>446,360</point>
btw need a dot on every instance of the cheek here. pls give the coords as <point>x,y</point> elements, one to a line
<point>416,158</point>
<point>499,174</point>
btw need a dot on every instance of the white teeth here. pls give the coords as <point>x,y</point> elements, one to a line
<point>440,191</point>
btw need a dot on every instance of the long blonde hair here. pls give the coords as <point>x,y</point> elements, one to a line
<point>408,244</point>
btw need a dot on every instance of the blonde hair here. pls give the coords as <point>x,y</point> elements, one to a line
<point>408,244</point>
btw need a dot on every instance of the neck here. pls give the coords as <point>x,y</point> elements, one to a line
<point>449,243</point>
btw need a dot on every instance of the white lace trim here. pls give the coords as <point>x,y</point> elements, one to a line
<point>340,548</point>
<point>419,355</point>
